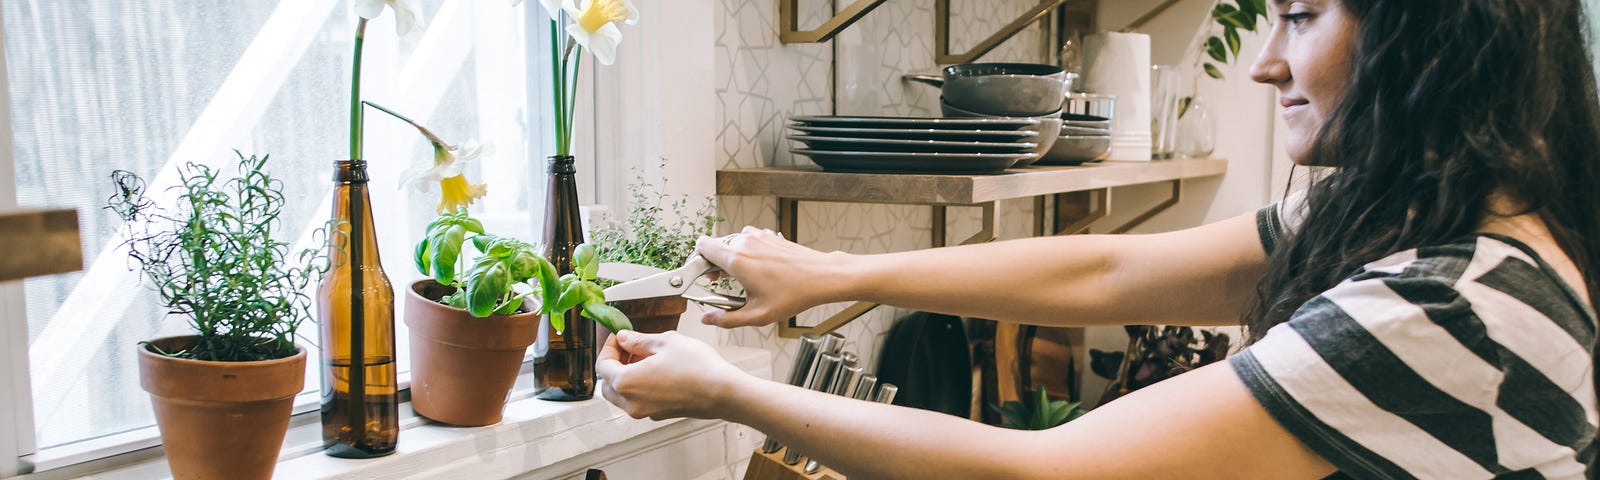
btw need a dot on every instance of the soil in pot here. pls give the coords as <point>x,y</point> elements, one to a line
<point>220,419</point>
<point>462,366</point>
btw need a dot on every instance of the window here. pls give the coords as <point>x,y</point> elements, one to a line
<point>148,86</point>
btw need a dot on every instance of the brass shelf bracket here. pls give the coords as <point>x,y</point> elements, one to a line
<point>789,21</point>
<point>1172,199</point>
<point>1077,211</point>
<point>941,31</point>
<point>788,209</point>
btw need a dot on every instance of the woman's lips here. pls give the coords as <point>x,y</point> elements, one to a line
<point>1292,107</point>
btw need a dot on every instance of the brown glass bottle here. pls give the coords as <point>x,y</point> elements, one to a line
<point>355,309</point>
<point>568,368</point>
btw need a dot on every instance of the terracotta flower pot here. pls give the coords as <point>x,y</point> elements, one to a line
<point>462,367</point>
<point>220,419</point>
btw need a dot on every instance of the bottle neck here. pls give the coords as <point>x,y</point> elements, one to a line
<point>561,165</point>
<point>350,171</point>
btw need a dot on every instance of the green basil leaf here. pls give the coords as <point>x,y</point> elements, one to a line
<point>481,242</point>
<point>446,249</point>
<point>572,293</point>
<point>421,257</point>
<point>472,225</point>
<point>509,307</point>
<point>586,261</point>
<point>607,316</point>
<point>484,290</point>
<point>549,287</point>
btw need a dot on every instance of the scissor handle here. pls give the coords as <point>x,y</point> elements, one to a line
<point>725,302</point>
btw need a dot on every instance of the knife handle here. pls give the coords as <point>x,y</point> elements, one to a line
<point>864,386</point>
<point>886,393</point>
<point>848,377</point>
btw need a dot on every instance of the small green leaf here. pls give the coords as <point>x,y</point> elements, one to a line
<point>585,261</point>
<point>510,306</point>
<point>549,287</point>
<point>1216,49</point>
<point>482,242</point>
<point>421,256</point>
<point>1248,7</point>
<point>446,249</point>
<point>485,289</point>
<point>572,293</point>
<point>1232,36</point>
<point>1213,72</point>
<point>607,316</point>
<point>1183,105</point>
<point>1222,10</point>
<point>1260,7</point>
<point>472,224</point>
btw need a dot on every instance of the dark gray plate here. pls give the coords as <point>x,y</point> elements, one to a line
<point>919,133</point>
<point>1015,123</point>
<point>908,146</point>
<point>893,162</point>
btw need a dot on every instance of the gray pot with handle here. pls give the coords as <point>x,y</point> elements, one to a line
<point>1001,89</point>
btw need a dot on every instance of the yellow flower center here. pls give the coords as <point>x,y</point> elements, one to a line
<point>456,192</point>
<point>601,12</point>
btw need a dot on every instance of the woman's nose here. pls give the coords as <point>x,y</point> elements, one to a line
<point>1270,67</point>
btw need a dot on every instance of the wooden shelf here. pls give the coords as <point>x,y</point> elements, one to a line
<point>39,242</point>
<point>810,183</point>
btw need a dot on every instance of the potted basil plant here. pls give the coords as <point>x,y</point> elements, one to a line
<point>471,325</point>
<point>222,395</point>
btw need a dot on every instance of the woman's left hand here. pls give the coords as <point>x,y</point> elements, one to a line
<point>665,375</point>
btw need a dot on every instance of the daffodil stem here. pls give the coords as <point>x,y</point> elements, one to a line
<point>425,132</point>
<point>572,96</point>
<point>558,67</point>
<point>355,93</point>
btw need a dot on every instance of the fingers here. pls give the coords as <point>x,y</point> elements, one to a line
<point>642,344</point>
<point>715,251</point>
<point>743,317</point>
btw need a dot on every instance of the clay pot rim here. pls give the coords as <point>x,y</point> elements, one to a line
<point>435,301</point>
<point>144,350</point>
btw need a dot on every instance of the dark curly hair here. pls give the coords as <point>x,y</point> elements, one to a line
<point>1448,103</point>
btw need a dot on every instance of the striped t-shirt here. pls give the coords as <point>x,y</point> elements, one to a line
<point>1464,360</point>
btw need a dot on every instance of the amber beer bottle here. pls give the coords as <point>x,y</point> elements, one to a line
<point>360,399</point>
<point>568,366</point>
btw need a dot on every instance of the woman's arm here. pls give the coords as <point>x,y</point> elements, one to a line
<point>1198,276</point>
<point>1202,424</point>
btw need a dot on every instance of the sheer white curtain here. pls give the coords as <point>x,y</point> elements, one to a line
<point>149,85</point>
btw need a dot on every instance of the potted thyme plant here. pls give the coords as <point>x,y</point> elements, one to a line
<point>223,395</point>
<point>471,326</point>
<point>645,238</point>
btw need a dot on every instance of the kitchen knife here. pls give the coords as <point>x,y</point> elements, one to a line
<point>864,386</point>
<point>804,359</point>
<point>848,380</point>
<point>827,364</point>
<point>886,393</point>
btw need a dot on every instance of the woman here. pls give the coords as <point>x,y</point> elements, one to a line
<point>1425,310</point>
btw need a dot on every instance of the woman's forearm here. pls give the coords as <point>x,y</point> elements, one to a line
<point>1202,276</point>
<point>870,440</point>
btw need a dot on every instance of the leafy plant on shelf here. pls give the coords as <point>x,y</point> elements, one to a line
<point>1038,412</point>
<point>1232,17</point>
<point>645,238</point>
<point>489,286</point>
<point>216,261</point>
<point>1155,354</point>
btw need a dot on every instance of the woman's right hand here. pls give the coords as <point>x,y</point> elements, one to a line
<point>780,278</point>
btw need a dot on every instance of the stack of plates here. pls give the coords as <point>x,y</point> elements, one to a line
<point>1084,138</point>
<point>914,145</point>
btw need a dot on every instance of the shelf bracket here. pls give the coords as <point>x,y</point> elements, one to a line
<point>1172,199</point>
<point>791,328</point>
<point>941,31</point>
<point>789,21</point>
<point>1076,211</point>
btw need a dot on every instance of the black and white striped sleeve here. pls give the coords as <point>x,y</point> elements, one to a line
<point>1395,375</point>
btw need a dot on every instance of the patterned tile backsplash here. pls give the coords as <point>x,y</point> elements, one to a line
<point>762,82</point>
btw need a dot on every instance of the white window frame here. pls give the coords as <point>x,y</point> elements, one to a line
<point>671,51</point>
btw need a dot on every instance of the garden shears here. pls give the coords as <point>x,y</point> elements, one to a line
<point>651,282</point>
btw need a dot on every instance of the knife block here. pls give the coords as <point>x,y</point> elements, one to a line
<point>770,466</point>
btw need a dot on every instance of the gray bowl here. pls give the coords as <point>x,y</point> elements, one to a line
<point>1049,128</point>
<point>1075,150</point>
<point>1001,89</point>
<point>1075,130</point>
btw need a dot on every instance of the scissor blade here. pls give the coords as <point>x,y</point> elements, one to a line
<point>623,272</point>
<point>658,285</point>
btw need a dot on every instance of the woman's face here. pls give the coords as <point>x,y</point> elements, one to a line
<point>1307,57</point>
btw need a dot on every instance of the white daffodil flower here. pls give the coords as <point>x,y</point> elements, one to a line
<point>448,163</point>
<point>594,26</point>
<point>406,13</point>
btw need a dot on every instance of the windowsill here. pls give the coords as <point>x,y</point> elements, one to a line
<point>534,435</point>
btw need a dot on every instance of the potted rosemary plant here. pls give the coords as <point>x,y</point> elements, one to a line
<point>223,395</point>
<point>471,326</point>
<point>645,238</point>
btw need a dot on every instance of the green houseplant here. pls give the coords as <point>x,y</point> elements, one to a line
<point>645,238</point>
<point>1038,412</point>
<point>223,395</point>
<point>471,326</point>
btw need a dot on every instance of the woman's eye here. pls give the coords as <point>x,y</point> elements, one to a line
<point>1295,19</point>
